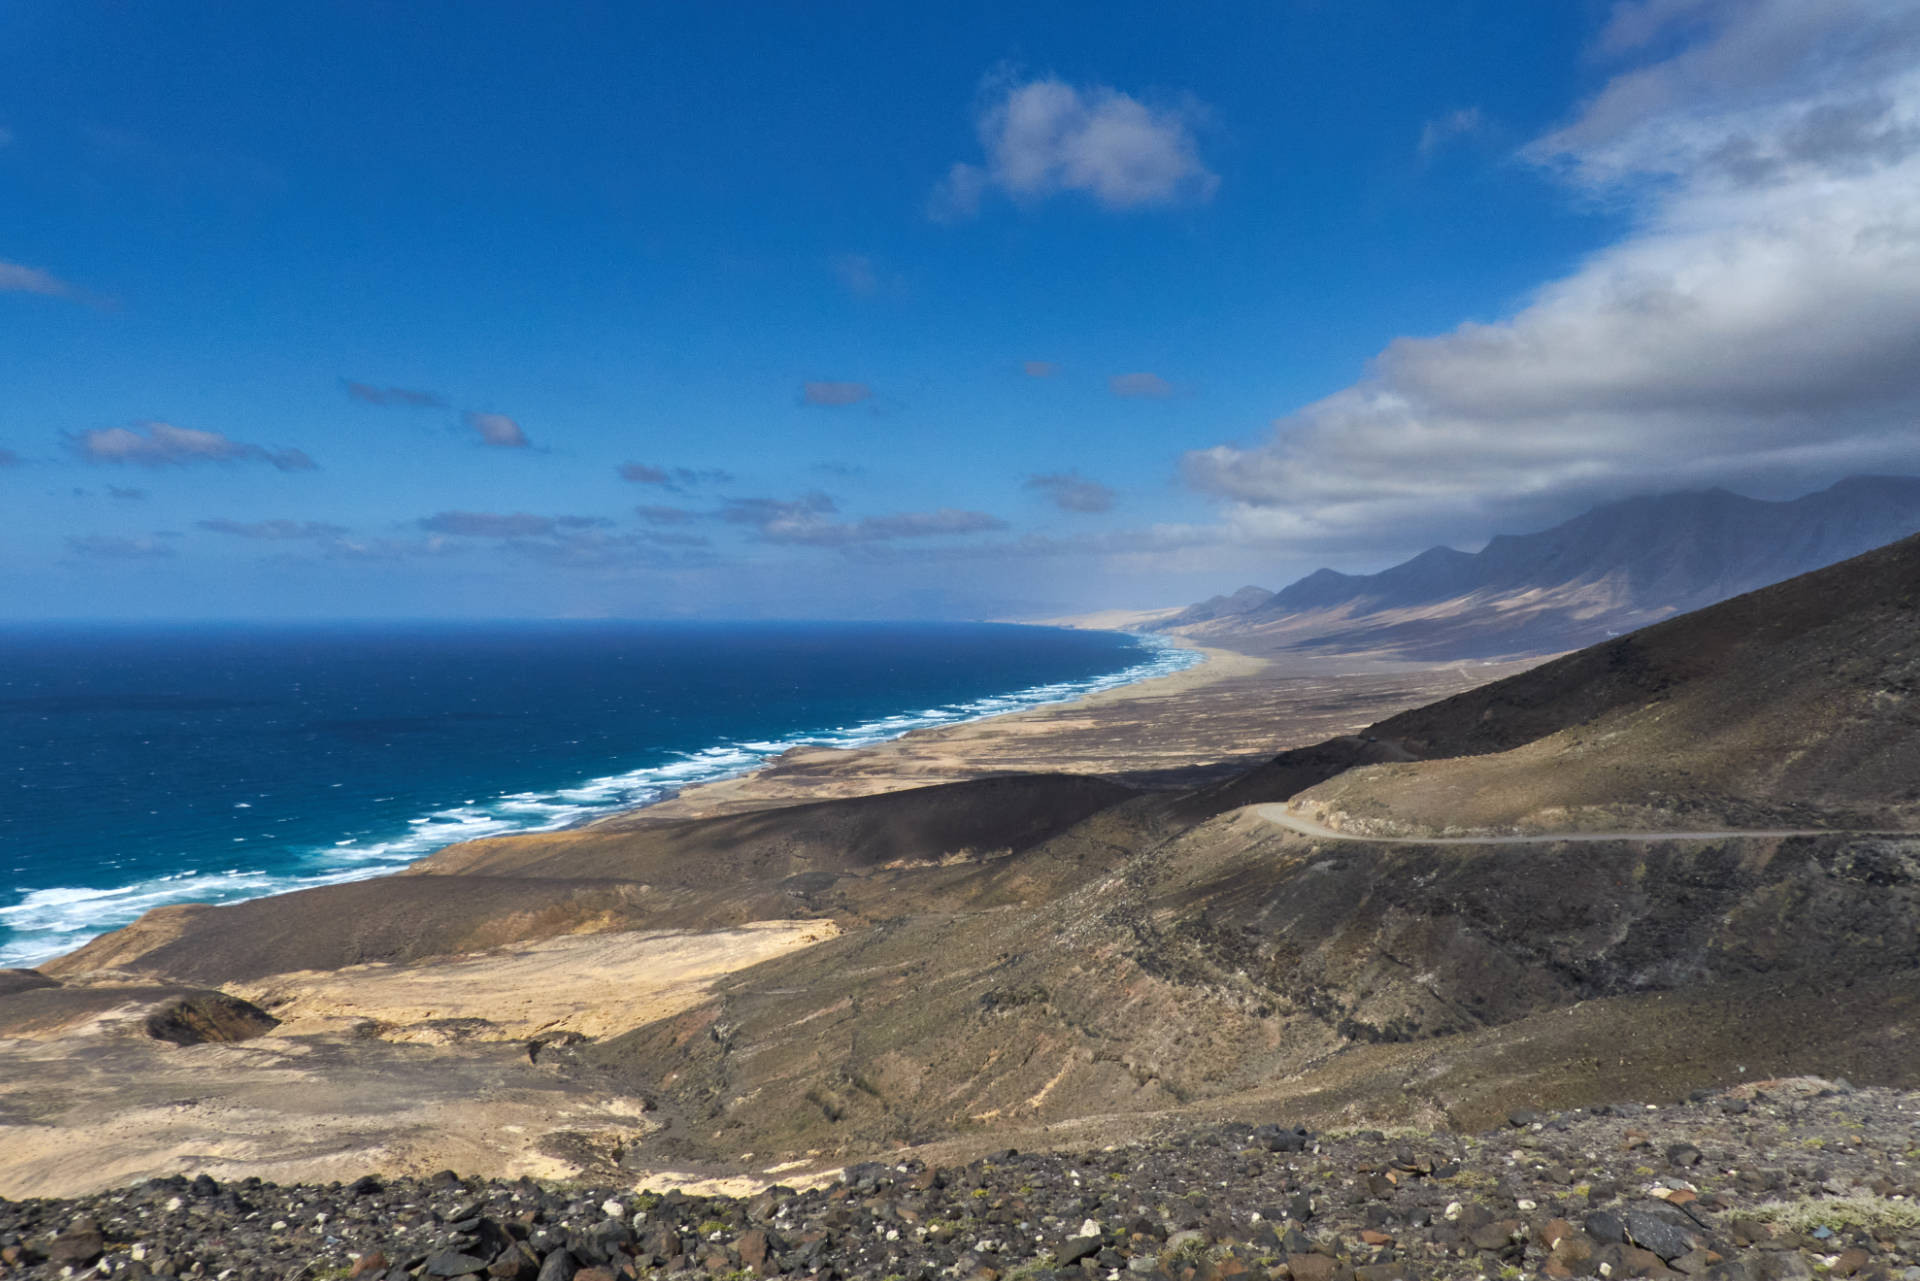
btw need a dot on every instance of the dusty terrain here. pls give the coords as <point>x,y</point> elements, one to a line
<point>1205,723</point>
<point>373,1067</point>
<point>967,951</point>
<point>1771,1180</point>
<point>407,1004</point>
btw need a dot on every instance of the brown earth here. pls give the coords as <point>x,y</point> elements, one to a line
<point>1075,959</point>
<point>1794,706</point>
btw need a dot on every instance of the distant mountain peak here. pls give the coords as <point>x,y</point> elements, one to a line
<point>1615,567</point>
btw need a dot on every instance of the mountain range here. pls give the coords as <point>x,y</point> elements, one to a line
<point>1617,567</point>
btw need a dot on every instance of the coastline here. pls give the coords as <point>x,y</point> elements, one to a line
<point>719,764</point>
<point>1233,710</point>
<point>925,756</point>
<point>1228,711</point>
<point>403,1005</point>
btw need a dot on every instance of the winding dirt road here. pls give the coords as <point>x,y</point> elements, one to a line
<point>1280,816</point>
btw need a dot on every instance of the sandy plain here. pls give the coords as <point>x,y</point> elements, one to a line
<point>1231,711</point>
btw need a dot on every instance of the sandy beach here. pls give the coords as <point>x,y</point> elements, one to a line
<point>1229,711</point>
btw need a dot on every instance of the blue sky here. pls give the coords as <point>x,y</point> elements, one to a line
<point>882,310</point>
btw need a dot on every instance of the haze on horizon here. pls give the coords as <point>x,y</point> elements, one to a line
<point>964,311</point>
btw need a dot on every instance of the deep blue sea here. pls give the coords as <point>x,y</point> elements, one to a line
<point>148,765</point>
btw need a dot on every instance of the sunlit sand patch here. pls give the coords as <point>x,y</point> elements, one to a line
<point>315,1099</point>
<point>738,1185</point>
<point>596,985</point>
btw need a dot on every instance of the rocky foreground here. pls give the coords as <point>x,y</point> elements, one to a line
<point>1776,1181</point>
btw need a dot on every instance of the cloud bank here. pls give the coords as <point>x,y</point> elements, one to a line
<point>1760,325</point>
<point>1046,137</point>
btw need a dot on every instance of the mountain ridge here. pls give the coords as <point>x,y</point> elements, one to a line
<point>1573,584</point>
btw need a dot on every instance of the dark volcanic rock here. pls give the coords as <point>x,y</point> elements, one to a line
<point>1665,1231</point>
<point>78,1246</point>
<point>12,981</point>
<point>453,1263</point>
<point>202,1017</point>
<point>1205,1205</point>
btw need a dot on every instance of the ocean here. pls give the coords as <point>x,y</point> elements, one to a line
<point>148,765</point>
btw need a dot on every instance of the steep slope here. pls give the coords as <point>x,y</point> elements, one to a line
<point>850,858</point>
<point>1796,705</point>
<point>1614,568</point>
<point>1238,960</point>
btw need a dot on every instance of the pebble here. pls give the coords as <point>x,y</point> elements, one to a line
<point>1353,1206</point>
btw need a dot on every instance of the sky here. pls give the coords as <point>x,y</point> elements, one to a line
<point>371,310</point>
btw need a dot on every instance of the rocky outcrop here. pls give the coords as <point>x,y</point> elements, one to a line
<point>199,1018</point>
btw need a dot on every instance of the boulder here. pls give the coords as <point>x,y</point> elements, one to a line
<point>199,1018</point>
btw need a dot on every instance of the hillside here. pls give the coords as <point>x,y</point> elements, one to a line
<point>1045,960</point>
<point>1795,705</point>
<point>1617,567</point>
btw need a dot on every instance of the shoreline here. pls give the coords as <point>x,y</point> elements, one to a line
<point>1228,711</point>
<point>751,789</point>
<point>322,875</point>
<point>404,1001</point>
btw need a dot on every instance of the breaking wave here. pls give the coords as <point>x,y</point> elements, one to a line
<point>48,922</point>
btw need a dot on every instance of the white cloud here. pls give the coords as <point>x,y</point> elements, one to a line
<point>157,444</point>
<point>809,520</point>
<point>18,279</point>
<point>674,479</point>
<point>406,397</point>
<point>505,524</point>
<point>655,514</point>
<point>497,430</point>
<point>1140,386</point>
<point>864,277</point>
<point>1437,133</point>
<point>121,547</point>
<point>834,394</point>
<point>1045,137</point>
<point>1072,492</point>
<point>281,530</point>
<point>1760,323</point>
<point>1039,368</point>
